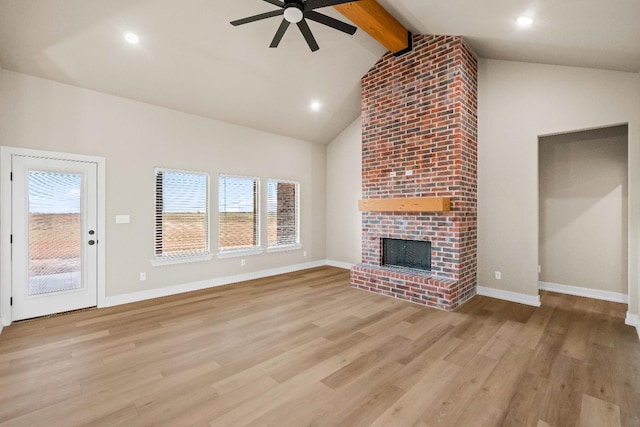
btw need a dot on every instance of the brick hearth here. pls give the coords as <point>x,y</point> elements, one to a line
<point>419,114</point>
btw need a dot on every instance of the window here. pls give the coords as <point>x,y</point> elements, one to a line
<point>283,214</point>
<point>239,214</point>
<point>182,216</point>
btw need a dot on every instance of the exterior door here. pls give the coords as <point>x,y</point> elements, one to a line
<point>53,235</point>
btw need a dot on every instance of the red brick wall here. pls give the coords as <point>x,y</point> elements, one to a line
<point>286,213</point>
<point>419,113</point>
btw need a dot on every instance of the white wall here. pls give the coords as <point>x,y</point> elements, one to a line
<point>344,189</point>
<point>518,102</point>
<point>134,138</point>
<point>583,209</point>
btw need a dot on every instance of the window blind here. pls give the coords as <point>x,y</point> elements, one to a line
<point>238,209</point>
<point>283,213</point>
<point>182,214</point>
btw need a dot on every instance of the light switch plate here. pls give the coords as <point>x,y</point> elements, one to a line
<point>122,219</point>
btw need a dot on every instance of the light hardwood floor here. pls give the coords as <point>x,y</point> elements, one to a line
<point>305,349</point>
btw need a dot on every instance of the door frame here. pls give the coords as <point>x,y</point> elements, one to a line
<point>6,218</point>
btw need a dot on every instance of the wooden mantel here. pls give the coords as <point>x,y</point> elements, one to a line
<point>412,204</point>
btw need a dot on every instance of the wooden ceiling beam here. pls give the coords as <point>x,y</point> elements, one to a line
<point>375,20</point>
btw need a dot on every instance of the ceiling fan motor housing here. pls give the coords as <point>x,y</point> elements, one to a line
<point>293,11</point>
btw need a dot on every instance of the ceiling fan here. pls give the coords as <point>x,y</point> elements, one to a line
<point>297,12</point>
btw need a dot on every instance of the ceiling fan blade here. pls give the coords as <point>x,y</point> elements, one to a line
<point>306,32</point>
<point>280,33</point>
<point>258,17</point>
<point>317,4</point>
<point>330,22</point>
<point>275,2</point>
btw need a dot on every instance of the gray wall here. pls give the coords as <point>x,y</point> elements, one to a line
<point>134,138</point>
<point>344,189</point>
<point>583,209</point>
<point>517,103</point>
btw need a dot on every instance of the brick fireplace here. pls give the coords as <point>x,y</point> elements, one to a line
<point>419,139</point>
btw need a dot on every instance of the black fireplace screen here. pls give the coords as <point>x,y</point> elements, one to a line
<point>406,253</point>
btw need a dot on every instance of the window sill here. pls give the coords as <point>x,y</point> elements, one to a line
<point>239,253</point>
<point>158,262</point>
<point>284,248</point>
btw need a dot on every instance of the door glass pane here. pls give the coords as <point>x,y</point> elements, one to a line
<point>54,232</point>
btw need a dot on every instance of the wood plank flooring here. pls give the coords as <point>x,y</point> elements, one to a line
<point>305,349</point>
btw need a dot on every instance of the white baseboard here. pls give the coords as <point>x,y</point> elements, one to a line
<point>533,300</point>
<point>633,320</point>
<point>339,264</point>
<point>205,284</point>
<point>584,292</point>
<point>4,322</point>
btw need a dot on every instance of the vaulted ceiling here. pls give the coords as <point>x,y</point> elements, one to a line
<point>191,59</point>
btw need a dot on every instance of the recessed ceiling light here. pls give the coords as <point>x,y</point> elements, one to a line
<point>524,21</point>
<point>315,106</point>
<point>131,38</point>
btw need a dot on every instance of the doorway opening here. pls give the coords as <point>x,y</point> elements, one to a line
<point>583,213</point>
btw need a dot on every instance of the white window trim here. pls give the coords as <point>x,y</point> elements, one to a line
<point>284,248</point>
<point>291,246</point>
<point>257,248</point>
<point>161,260</point>
<point>233,253</point>
<point>169,260</point>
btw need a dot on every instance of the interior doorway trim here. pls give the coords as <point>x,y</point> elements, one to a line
<point>632,281</point>
<point>5,220</point>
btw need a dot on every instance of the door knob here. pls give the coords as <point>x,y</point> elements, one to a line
<point>92,242</point>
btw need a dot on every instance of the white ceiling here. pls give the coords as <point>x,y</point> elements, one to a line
<point>191,59</point>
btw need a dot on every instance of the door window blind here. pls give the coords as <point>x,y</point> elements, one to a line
<point>182,214</point>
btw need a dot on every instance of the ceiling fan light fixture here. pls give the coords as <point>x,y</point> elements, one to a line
<point>298,12</point>
<point>293,13</point>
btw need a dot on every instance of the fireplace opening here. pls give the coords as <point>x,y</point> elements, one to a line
<point>406,253</point>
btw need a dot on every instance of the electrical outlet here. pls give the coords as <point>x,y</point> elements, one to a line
<point>143,276</point>
<point>539,269</point>
<point>498,275</point>
<point>242,262</point>
<point>304,253</point>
